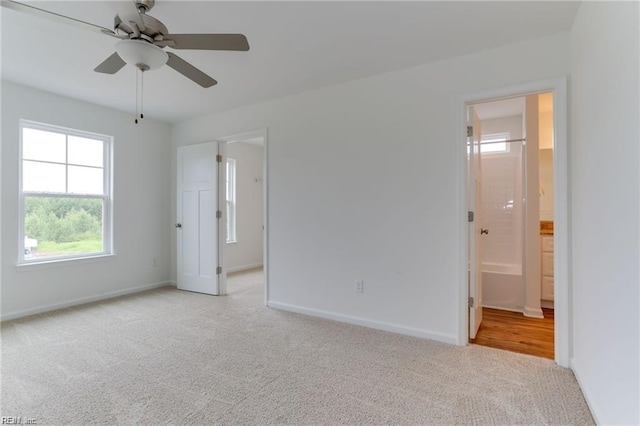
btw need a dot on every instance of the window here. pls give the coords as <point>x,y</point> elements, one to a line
<point>231,200</point>
<point>494,143</point>
<point>65,198</point>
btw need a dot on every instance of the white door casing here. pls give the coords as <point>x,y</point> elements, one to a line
<point>474,205</point>
<point>197,226</point>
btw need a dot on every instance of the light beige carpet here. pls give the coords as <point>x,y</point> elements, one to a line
<point>168,356</point>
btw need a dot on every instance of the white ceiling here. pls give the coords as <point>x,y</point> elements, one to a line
<point>295,47</point>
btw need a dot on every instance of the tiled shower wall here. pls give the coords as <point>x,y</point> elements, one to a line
<point>503,212</point>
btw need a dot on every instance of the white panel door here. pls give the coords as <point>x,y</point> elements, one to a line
<point>475,205</point>
<point>197,226</point>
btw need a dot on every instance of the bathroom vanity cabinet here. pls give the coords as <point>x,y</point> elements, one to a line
<point>546,245</point>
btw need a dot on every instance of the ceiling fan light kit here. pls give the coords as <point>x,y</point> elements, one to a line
<point>142,40</point>
<point>141,54</point>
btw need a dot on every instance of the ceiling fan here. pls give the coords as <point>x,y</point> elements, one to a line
<point>143,38</point>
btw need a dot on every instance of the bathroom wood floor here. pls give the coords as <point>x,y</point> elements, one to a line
<point>514,332</point>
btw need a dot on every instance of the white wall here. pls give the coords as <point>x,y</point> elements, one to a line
<point>141,205</point>
<point>533,274</point>
<point>512,125</point>
<point>362,186</point>
<point>545,155</point>
<point>605,208</point>
<point>545,120</point>
<point>545,170</point>
<point>247,251</point>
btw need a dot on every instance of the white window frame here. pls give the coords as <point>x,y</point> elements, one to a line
<point>230,197</point>
<point>106,197</point>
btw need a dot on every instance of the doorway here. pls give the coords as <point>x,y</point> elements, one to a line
<point>506,144</point>
<point>244,250</point>
<point>507,282</point>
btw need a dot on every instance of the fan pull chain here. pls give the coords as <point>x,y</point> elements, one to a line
<point>141,94</point>
<point>136,114</point>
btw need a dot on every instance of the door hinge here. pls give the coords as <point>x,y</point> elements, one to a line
<point>219,158</point>
<point>469,216</point>
<point>469,131</point>
<point>219,214</point>
<point>218,270</point>
<point>471,302</point>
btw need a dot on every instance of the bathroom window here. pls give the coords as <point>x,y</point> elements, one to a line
<point>65,194</point>
<point>231,200</point>
<point>494,143</point>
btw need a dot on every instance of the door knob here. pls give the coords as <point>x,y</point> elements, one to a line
<point>178,225</point>
<point>483,231</point>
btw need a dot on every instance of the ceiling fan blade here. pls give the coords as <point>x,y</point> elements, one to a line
<point>32,10</point>
<point>111,65</point>
<point>206,41</point>
<point>189,71</point>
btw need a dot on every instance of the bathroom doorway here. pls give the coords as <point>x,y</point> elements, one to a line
<point>510,161</point>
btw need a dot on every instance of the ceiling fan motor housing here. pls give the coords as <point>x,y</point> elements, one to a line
<point>144,6</point>
<point>147,27</point>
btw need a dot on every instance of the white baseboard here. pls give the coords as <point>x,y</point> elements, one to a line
<point>80,301</point>
<point>533,312</point>
<point>379,325</point>
<point>549,304</point>
<point>501,308</point>
<point>244,267</point>
<point>576,373</point>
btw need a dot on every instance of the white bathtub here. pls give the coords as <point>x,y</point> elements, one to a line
<point>503,286</point>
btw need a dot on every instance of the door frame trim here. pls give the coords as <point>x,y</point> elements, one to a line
<point>239,137</point>
<point>562,323</point>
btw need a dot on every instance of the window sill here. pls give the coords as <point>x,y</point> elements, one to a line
<point>60,263</point>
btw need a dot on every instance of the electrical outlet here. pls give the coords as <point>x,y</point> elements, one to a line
<point>359,286</point>
<point>155,262</point>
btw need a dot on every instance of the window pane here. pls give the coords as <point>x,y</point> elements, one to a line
<point>228,233</point>
<point>86,152</point>
<point>231,200</point>
<point>43,177</point>
<point>493,147</point>
<point>494,143</point>
<point>62,227</point>
<point>44,146</point>
<point>85,180</point>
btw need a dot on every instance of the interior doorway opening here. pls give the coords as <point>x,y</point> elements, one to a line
<point>510,192</point>
<point>245,245</point>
